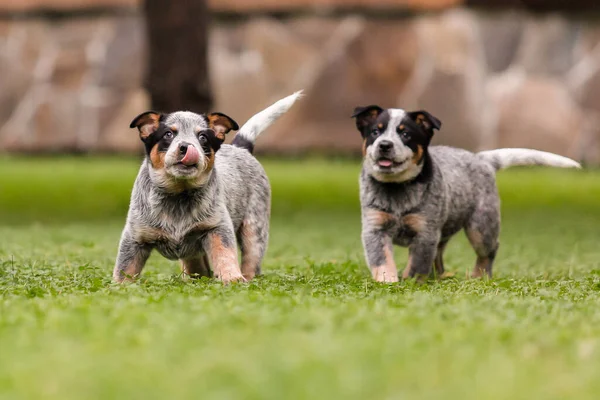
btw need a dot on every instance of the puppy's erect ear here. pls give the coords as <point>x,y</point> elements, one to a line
<point>146,123</point>
<point>425,120</point>
<point>365,116</point>
<point>221,124</point>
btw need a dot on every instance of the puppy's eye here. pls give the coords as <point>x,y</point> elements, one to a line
<point>203,139</point>
<point>405,135</point>
<point>169,135</point>
<point>375,132</point>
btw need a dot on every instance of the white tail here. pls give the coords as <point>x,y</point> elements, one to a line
<point>248,133</point>
<point>505,158</point>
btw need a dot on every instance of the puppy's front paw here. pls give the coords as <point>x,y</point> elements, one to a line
<point>124,278</point>
<point>231,276</point>
<point>385,275</point>
<point>386,279</point>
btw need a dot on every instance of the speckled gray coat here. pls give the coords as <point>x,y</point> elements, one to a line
<point>196,199</point>
<point>423,216</point>
<point>418,196</point>
<point>177,225</point>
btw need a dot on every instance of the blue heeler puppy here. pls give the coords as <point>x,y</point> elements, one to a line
<point>195,197</point>
<point>418,196</point>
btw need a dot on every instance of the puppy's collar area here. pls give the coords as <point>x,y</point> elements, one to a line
<point>186,193</point>
<point>181,188</point>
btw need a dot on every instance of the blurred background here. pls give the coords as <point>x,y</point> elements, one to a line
<point>74,73</point>
<point>498,73</point>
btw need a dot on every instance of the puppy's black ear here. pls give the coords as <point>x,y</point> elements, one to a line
<point>365,116</point>
<point>221,124</point>
<point>425,120</point>
<point>146,123</point>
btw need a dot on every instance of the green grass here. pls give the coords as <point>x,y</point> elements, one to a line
<point>314,326</point>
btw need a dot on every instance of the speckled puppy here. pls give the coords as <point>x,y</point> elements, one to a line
<point>194,196</point>
<point>419,196</point>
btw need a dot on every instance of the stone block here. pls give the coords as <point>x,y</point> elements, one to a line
<point>547,45</point>
<point>449,78</point>
<point>536,112</point>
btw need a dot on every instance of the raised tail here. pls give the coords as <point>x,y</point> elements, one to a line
<point>248,133</point>
<point>505,158</point>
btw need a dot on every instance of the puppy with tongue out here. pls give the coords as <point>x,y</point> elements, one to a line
<point>419,196</point>
<point>195,197</point>
<point>181,146</point>
<point>396,169</point>
<point>394,144</point>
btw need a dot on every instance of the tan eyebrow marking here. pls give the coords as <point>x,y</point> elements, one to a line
<point>380,126</point>
<point>401,127</point>
<point>173,128</point>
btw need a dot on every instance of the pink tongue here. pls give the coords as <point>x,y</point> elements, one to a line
<point>385,163</point>
<point>191,156</point>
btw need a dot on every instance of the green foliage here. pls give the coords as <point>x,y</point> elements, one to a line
<point>314,325</point>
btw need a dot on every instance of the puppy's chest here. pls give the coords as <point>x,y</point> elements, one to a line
<point>402,226</point>
<point>175,241</point>
<point>398,212</point>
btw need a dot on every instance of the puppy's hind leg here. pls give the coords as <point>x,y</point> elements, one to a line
<point>253,238</point>
<point>482,231</point>
<point>196,267</point>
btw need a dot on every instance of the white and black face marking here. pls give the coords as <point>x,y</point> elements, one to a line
<point>394,141</point>
<point>181,146</point>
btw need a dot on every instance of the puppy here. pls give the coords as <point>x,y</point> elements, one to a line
<point>194,196</point>
<point>417,196</point>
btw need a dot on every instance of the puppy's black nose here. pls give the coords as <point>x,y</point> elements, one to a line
<point>183,147</point>
<point>385,145</point>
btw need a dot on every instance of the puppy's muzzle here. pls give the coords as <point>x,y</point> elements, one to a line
<point>384,154</point>
<point>191,156</point>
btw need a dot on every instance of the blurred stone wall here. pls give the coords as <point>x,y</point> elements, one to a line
<point>495,79</point>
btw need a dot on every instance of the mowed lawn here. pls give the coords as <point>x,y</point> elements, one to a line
<point>313,326</point>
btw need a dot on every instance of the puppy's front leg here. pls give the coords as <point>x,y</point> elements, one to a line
<point>131,258</point>
<point>220,246</point>
<point>379,253</point>
<point>421,256</point>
